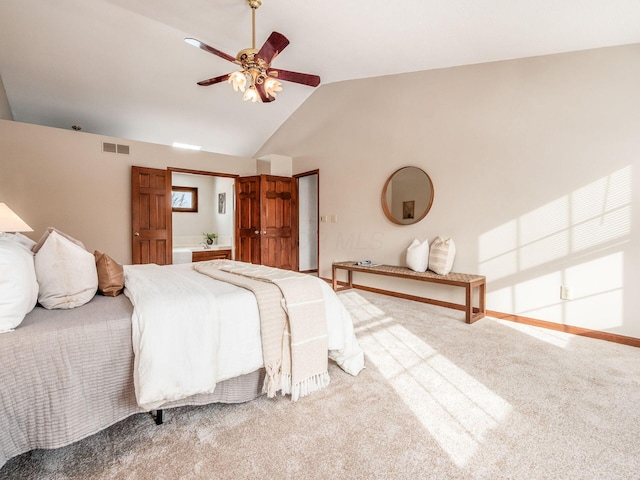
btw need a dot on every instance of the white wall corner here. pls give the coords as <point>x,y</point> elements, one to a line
<point>5,108</point>
<point>263,167</point>
<point>273,164</point>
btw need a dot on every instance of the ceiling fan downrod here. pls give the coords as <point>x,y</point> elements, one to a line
<point>254,4</point>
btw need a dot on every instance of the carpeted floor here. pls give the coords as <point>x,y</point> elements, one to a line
<point>439,399</point>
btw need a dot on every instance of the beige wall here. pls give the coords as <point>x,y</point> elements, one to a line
<point>61,178</point>
<point>536,169</point>
<point>5,109</point>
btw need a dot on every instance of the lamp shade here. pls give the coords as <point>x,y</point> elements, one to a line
<point>10,222</point>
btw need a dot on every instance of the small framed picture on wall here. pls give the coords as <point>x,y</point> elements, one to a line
<point>222,203</point>
<point>407,209</point>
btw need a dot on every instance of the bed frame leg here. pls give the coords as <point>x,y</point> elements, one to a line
<point>157,416</point>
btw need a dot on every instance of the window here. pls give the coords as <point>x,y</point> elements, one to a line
<point>184,199</point>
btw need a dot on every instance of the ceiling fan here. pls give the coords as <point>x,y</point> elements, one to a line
<point>257,79</point>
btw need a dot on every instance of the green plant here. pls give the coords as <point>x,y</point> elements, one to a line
<point>210,236</point>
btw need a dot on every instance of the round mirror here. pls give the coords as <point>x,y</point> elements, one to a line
<point>407,196</point>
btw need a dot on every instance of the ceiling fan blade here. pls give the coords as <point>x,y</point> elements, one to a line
<point>207,48</point>
<point>263,94</point>
<point>214,80</point>
<point>272,47</point>
<point>288,76</point>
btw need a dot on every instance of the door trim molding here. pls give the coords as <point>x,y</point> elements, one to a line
<point>201,172</point>
<point>297,176</point>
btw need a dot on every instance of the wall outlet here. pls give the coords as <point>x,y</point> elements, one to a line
<point>565,293</point>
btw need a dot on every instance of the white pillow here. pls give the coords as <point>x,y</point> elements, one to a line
<point>46,234</point>
<point>66,273</point>
<point>418,256</point>
<point>441,256</point>
<point>18,285</point>
<point>19,238</point>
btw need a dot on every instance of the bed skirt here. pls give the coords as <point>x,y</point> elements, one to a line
<point>67,374</point>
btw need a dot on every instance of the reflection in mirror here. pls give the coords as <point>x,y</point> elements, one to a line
<point>407,196</point>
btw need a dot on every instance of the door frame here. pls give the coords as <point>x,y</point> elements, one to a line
<point>297,177</point>
<point>172,170</point>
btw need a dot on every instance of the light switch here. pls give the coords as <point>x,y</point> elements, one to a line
<point>323,218</point>
<point>334,218</point>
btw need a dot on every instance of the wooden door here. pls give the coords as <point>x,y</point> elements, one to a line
<point>248,219</point>
<point>267,221</point>
<point>151,215</point>
<point>279,221</point>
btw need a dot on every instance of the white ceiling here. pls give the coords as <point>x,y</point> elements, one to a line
<point>121,67</point>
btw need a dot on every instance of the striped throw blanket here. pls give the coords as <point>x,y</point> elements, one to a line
<point>293,324</point>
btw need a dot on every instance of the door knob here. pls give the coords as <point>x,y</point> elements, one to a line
<point>257,232</point>
<point>136,234</point>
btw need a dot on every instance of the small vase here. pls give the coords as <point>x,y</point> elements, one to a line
<point>209,241</point>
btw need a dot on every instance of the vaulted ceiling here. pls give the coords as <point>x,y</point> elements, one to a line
<point>122,68</point>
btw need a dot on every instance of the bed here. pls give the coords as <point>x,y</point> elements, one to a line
<point>67,374</point>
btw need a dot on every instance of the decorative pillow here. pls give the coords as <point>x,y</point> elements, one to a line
<point>110,275</point>
<point>48,232</point>
<point>418,256</point>
<point>19,238</point>
<point>18,284</point>
<point>442,255</point>
<point>66,273</point>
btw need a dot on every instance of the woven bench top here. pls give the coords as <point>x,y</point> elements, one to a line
<point>404,271</point>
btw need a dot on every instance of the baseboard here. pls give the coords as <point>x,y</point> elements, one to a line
<point>584,332</point>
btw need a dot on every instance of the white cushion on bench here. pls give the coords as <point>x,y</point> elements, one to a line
<point>441,256</point>
<point>418,256</point>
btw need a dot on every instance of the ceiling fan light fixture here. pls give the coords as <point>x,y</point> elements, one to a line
<point>272,86</point>
<point>250,94</point>
<point>238,80</point>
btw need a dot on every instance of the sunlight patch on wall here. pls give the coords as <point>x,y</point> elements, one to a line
<point>498,250</point>
<point>555,245</point>
<point>547,293</point>
<point>601,229</point>
<point>456,409</point>
<point>544,250</point>
<point>598,287</point>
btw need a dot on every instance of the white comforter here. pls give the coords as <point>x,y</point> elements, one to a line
<point>190,331</point>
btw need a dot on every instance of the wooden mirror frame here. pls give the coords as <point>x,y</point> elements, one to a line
<point>386,208</point>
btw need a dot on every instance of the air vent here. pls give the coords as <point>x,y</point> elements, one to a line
<point>115,148</point>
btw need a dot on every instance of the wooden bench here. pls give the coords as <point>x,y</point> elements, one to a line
<point>467,281</point>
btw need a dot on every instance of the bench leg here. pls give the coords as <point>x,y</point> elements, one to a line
<point>482,294</point>
<point>334,278</point>
<point>468,305</point>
